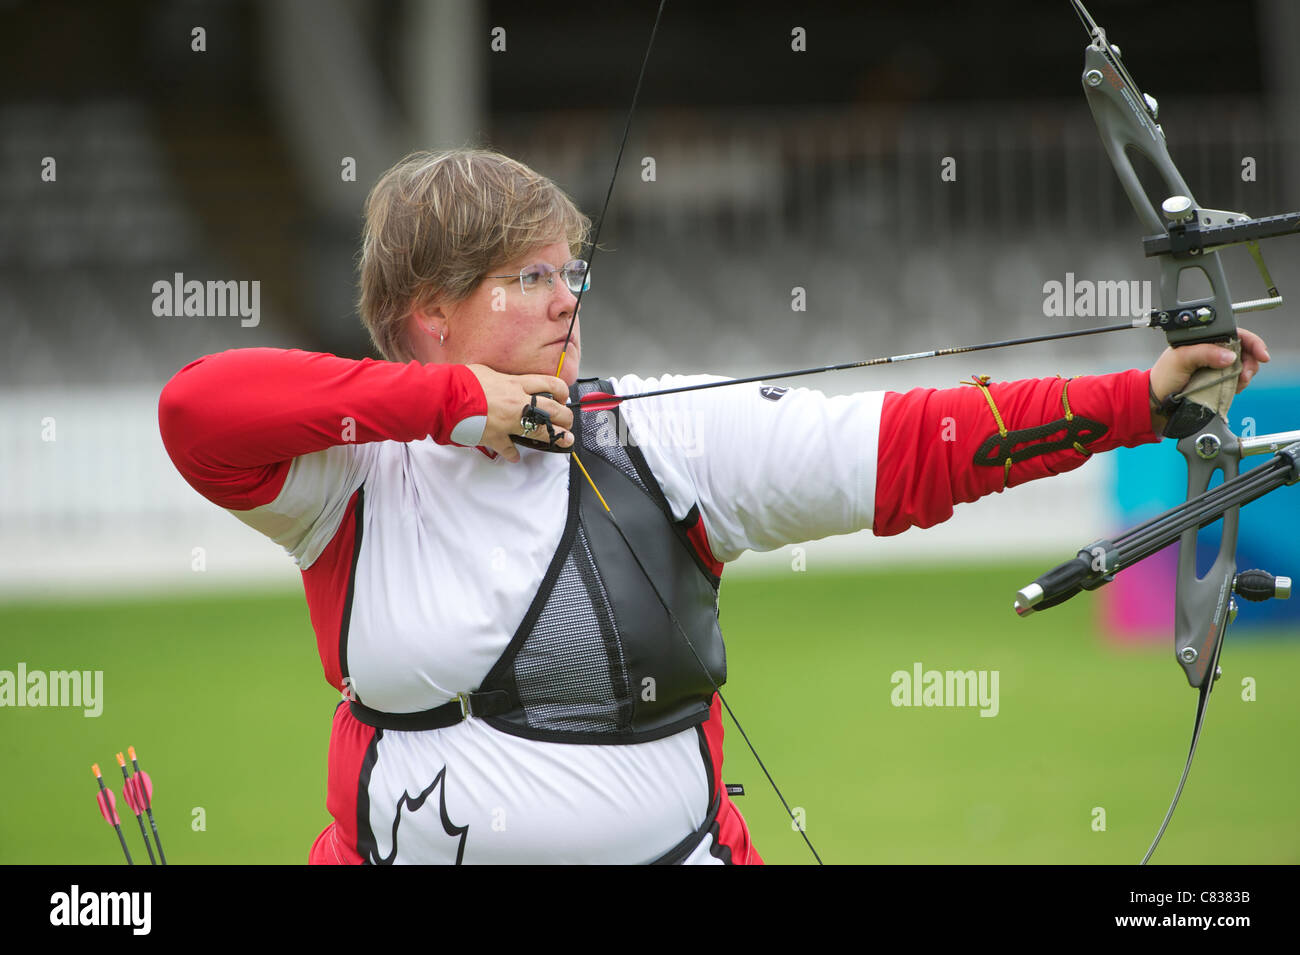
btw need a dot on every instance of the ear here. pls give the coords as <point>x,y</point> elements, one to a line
<point>429,310</point>
<point>426,328</point>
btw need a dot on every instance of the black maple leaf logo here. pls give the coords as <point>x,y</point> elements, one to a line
<point>412,804</point>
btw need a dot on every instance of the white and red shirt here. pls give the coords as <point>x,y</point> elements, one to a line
<point>433,580</point>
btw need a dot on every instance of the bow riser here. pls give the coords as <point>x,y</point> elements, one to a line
<point>1184,237</point>
<point>1202,604</point>
<point>1126,121</point>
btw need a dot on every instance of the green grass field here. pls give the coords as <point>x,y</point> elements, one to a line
<point>224,699</point>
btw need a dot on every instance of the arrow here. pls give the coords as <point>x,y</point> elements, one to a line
<point>108,809</point>
<point>600,401</point>
<point>141,787</point>
<point>132,800</point>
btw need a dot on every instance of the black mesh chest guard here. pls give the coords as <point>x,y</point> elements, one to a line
<point>596,658</point>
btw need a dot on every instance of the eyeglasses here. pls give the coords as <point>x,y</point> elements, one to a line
<point>574,273</point>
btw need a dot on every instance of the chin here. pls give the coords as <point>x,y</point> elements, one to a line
<point>569,374</point>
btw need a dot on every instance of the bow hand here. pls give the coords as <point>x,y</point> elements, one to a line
<point>1222,374</point>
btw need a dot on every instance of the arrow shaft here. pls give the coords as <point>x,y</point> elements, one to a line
<point>153,825</point>
<point>145,836</point>
<point>122,839</point>
<point>886,360</point>
<point>127,786</point>
<point>109,810</point>
<point>145,788</point>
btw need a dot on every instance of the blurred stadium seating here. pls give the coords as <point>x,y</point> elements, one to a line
<point>696,272</point>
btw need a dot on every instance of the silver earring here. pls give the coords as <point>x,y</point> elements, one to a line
<point>442,338</point>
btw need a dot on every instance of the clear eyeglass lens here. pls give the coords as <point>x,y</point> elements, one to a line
<point>576,277</point>
<point>530,276</point>
<point>574,273</point>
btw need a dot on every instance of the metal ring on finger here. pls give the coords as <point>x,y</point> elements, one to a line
<point>533,417</point>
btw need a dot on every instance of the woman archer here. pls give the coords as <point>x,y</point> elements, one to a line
<point>515,687</point>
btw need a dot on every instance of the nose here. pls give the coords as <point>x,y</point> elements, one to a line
<point>564,295</point>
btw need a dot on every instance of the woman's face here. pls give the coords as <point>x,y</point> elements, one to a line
<point>500,325</point>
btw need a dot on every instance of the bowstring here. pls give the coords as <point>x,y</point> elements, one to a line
<point>609,193</point>
<point>627,127</point>
<point>1202,705</point>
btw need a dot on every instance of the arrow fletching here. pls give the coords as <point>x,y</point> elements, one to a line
<point>129,791</point>
<point>141,781</point>
<point>139,791</point>
<point>107,801</point>
<point>144,796</point>
<point>134,794</point>
<point>598,401</point>
<point>108,809</point>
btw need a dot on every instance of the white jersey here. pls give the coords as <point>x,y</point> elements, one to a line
<point>455,545</point>
<point>421,559</point>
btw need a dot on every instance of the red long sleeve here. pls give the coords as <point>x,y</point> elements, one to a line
<point>232,422</point>
<point>928,440</point>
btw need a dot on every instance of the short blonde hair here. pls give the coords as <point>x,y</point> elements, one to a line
<point>438,222</point>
